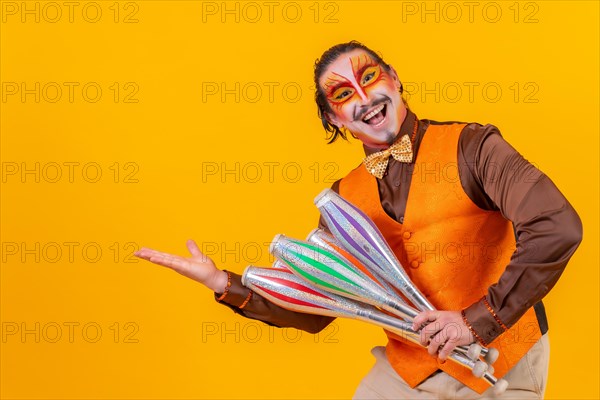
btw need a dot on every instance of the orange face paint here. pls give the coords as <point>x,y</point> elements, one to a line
<point>363,96</point>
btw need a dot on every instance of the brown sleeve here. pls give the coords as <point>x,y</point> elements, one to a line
<point>261,309</point>
<point>547,228</point>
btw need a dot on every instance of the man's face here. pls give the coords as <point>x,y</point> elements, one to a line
<point>364,98</point>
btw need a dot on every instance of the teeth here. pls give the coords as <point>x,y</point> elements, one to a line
<point>373,113</point>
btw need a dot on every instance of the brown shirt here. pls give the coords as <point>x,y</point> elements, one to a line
<point>495,177</point>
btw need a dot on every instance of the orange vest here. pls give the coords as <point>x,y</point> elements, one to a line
<point>451,249</point>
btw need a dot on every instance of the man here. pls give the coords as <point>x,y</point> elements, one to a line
<point>485,243</point>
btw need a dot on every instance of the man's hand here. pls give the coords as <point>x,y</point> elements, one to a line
<point>198,267</point>
<point>442,331</point>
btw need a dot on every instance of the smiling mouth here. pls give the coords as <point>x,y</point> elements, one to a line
<point>376,116</point>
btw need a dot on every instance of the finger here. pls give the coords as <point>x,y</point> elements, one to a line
<point>148,254</point>
<point>435,343</point>
<point>423,318</point>
<point>451,337</point>
<point>425,338</point>
<point>193,248</point>
<point>144,253</point>
<point>428,332</point>
<point>176,263</point>
<point>445,351</point>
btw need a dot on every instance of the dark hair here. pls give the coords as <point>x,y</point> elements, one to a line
<point>329,56</point>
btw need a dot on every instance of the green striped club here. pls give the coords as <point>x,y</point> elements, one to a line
<point>324,269</point>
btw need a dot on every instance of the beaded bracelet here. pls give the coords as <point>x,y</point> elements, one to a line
<point>226,291</point>
<point>247,300</point>
<point>464,317</point>
<point>493,313</point>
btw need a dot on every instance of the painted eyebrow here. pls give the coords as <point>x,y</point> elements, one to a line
<point>361,67</point>
<point>332,84</point>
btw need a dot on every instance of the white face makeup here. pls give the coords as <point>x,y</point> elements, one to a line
<point>364,98</point>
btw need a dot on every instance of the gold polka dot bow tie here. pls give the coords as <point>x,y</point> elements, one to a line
<point>401,150</point>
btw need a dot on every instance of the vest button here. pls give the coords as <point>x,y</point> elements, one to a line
<point>406,235</point>
<point>414,264</point>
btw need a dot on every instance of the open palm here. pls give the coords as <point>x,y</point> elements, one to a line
<point>198,267</point>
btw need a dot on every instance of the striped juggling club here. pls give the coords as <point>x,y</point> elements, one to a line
<point>325,268</point>
<point>279,264</point>
<point>355,231</point>
<point>324,239</point>
<point>287,290</point>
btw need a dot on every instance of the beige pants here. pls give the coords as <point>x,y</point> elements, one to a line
<point>526,380</point>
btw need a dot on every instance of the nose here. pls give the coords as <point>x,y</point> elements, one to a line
<point>362,94</point>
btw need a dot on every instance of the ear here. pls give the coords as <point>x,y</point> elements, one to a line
<point>333,120</point>
<point>394,76</point>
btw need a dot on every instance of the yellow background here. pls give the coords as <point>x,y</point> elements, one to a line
<point>169,342</point>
